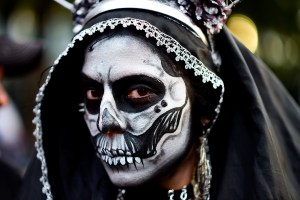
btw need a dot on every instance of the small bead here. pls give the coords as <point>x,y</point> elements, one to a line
<point>157,109</point>
<point>164,103</point>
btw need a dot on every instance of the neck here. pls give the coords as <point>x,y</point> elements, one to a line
<point>182,175</point>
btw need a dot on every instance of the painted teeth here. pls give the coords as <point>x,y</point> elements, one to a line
<point>120,152</point>
<point>137,159</point>
<point>120,160</point>
<point>130,160</point>
<point>114,152</point>
<point>115,157</point>
<point>110,161</point>
<point>116,160</point>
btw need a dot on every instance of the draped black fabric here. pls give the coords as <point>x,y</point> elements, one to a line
<point>254,145</point>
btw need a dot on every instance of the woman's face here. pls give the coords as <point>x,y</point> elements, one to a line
<point>137,112</point>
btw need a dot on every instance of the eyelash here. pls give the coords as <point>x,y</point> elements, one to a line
<point>134,96</point>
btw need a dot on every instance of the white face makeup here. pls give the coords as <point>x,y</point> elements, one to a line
<point>137,113</point>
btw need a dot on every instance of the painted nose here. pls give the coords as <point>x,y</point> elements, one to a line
<point>109,123</point>
<point>110,120</point>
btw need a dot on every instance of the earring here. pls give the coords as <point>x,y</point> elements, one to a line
<point>202,175</point>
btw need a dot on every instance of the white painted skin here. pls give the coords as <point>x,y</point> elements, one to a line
<point>116,58</point>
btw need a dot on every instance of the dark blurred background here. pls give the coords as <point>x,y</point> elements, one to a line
<point>269,28</point>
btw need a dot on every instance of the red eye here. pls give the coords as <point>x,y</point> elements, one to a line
<point>93,94</point>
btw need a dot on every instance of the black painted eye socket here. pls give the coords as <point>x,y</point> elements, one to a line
<point>92,93</point>
<point>137,93</point>
<point>92,99</point>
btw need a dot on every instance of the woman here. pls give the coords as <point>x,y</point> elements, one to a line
<point>155,120</point>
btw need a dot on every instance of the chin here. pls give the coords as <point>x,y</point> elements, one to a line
<point>128,176</point>
<point>148,171</point>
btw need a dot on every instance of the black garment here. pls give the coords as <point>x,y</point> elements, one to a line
<point>253,145</point>
<point>10,182</point>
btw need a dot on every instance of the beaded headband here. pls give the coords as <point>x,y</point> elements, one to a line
<point>211,14</point>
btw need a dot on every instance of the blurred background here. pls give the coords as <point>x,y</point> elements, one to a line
<point>269,28</point>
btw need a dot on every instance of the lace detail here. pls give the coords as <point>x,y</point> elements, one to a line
<point>162,39</point>
<point>38,133</point>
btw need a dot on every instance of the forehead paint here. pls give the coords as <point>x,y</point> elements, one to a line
<point>166,63</point>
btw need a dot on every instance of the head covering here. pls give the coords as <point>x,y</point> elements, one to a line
<point>253,139</point>
<point>18,58</point>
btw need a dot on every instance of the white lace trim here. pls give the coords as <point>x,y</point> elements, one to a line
<point>171,45</point>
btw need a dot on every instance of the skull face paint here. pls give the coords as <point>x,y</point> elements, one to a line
<point>137,113</point>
